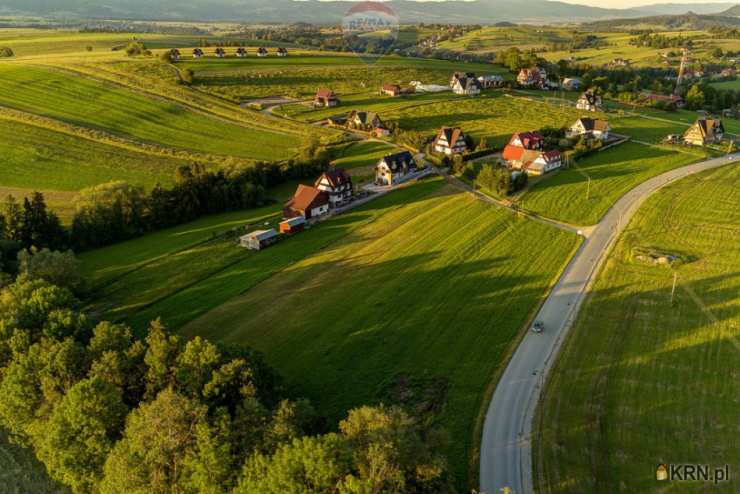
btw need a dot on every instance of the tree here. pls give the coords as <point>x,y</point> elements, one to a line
<point>162,350</point>
<point>150,457</point>
<point>81,432</point>
<point>58,268</point>
<point>13,216</point>
<point>695,97</point>
<point>194,366</point>
<point>6,52</point>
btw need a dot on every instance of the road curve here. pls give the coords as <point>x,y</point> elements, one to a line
<point>506,449</point>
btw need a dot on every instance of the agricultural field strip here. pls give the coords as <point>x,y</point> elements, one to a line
<point>195,100</point>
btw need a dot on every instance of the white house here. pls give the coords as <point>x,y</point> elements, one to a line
<point>259,239</point>
<point>393,168</point>
<point>589,101</point>
<point>337,184</point>
<point>590,128</point>
<point>450,141</point>
<point>467,85</point>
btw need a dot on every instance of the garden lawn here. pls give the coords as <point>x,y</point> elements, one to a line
<point>643,381</point>
<point>646,129</point>
<point>90,103</point>
<point>563,195</point>
<point>42,159</point>
<point>434,286</point>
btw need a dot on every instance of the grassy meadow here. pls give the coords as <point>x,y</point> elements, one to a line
<point>89,103</point>
<point>734,85</point>
<point>565,195</point>
<point>642,381</point>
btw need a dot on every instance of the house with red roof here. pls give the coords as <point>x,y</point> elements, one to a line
<point>308,202</point>
<point>525,152</point>
<point>325,97</point>
<point>527,140</point>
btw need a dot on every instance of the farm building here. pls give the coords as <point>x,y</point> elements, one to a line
<point>467,86</point>
<point>174,54</point>
<point>308,202</point>
<point>705,131</point>
<point>393,168</point>
<point>261,51</point>
<point>337,184</point>
<point>241,52</point>
<point>534,77</point>
<point>293,225</point>
<point>489,81</point>
<point>220,53</point>
<point>571,83</point>
<point>197,52</point>
<point>589,101</point>
<point>325,97</point>
<point>390,90</point>
<point>259,239</point>
<point>282,52</point>
<point>532,161</point>
<point>527,140</point>
<point>450,141</point>
<point>590,128</point>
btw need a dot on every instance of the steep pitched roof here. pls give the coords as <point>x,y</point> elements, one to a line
<point>710,126</point>
<point>512,153</point>
<point>528,139</point>
<point>395,159</point>
<point>324,93</point>
<point>450,134</point>
<point>307,198</point>
<point>336,177</point>
<point>591,124</point>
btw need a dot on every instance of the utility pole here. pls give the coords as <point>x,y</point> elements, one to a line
<point>673,290</point>
<point>588,189</point>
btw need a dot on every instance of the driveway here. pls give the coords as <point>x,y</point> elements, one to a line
<point>506,449</point>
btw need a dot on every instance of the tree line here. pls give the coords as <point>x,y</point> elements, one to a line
<point>106,411</point>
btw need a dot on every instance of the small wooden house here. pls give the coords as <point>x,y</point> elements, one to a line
<point>261,51</point>
<point>241,52</point>
<point>705,131</point>
<point>325,97</point>
<point>259,239</point>
<point>390,90</point>
<point>450,141</point>
<point>393,168</point>
<point>337,184</point>
<point>308,202</point>
<point>282,52</point>
<point>293,225</point>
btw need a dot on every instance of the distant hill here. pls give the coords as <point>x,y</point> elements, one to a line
<point>688,21</point>
<point>682,8</point>
<point>732,11</point>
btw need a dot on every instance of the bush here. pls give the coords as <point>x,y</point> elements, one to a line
<point>6,52</point>
<point>136,48</point>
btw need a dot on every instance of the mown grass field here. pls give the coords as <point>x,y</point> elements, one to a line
<point>565,195</point>
<point>426,282</point>
<point>43,159</point>
<point>89,103</point>
<point>492,39</point>
<point>360,158</point>
<point>642,381</point>
<point>301,74</point>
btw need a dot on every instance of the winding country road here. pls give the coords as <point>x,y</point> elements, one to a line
<point>506,448</point>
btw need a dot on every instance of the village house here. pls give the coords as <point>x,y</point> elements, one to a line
<point>527,140</point>
<point>259,239</point>
<point>450,141</point>
<point>532,161</point>
<point>390,90</point>
<point>589,101</point>
<point>293,225</point>
<point>261,51</point>
<point>459,75</point>
<point>197,52</point>
<point>393,168</point>
<point>337,184</point>
<point>705,131</point>
<point>589,128</point>
<point>728,72</point>
<point>282,52</point>
<point>241,52</point>
<point>466,86</point>
<point>535,77</point>
<point>325,97</point>
<point>220,53</point>
<point>365,120</point>
<point>490,81</point>
<point>571,84</point>
<point>308,202</point>
<point>174,54</point>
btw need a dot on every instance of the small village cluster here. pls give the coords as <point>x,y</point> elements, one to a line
<point>220,52</point>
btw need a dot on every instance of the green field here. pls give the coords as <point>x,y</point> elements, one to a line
<point>734,85</point>
<point>42,159</point>
<point>360,158</point>
<point>381,301</point>
<point>613,172</point>
<point>493,39</point>
<point>89,103</point>
<point>641,381</point>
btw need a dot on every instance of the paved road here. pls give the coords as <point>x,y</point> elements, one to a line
<point>506,450</point>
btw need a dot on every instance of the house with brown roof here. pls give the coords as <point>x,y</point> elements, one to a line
<point>589,128</point>
<point>337,184</point>
<point>394,168</point>
<point>325,97</point>
<point>282,52</point>
<point>308,202</point>
<point>261,51</point>
<point>527,140</point>
<point>391,90</point>
<point>365,120</point>
<point>450,141</point>
<point>534,77</point>
<point>705,131</point>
